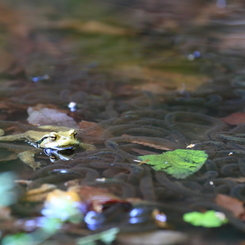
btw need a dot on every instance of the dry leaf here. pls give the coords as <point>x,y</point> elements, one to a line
<point>232,204</point>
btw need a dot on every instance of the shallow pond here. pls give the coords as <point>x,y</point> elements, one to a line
<point>133,79</point>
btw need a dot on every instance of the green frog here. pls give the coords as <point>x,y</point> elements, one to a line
<point>56,138</point>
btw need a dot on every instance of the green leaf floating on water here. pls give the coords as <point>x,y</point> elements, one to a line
<point>180,163</point>
<point>210,218</point>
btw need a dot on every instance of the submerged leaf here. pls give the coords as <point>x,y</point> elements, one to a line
<point>8,189</point>
<point>45,116</point>
<point>236,118</point>
<point>180,163</point>
<point>159,237</point>
<point>232,204</point>
<point>63,205</point>
<point>95,197</point>
<point>210,218</point>
<point>106,237</point>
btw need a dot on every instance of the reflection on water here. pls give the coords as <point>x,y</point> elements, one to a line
<point>135,78</point>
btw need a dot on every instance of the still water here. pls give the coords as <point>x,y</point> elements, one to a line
<point>115,82</point>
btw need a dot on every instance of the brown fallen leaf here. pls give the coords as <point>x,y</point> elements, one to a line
<point>38,194</point>
<point>160,219</point>
<point>159,80</point>
<point>91,27</point>
<point>160,237</point>
<point>6,60</point>
<point>10,108</point>
<point>96,197</point>
<point>161,144</point>
<point>238,180</point>
<point>91,128</point>
<point>10,157</point>
<point>232,204</point>
<point>234,118</point>
<point>57,195</point>
<point>5,213</point>
<point>47,116</point>
<point>143,152</point>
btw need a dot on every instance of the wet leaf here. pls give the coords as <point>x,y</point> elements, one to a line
<point>163,237</point>
<point>49,227</point>
<point>47,116</point>
<point>91,128</point>
<point>210,218</point>
<point>160,218</point>
<point>17,239</point>
<point>7,190</point>
<point>5,213</point>
<point>106,237</point>
<point>160,79</point>
<point>179,163</point>
<point>142,152</point>
<point>232,204</point>
<point>6,60</point>
<point>38,194</point>
<point>238,180</point>
<point>234,118</point>
<point>92,27</point>
<point>62,205</point>
<point>163,144</point>
<point>95,197</point>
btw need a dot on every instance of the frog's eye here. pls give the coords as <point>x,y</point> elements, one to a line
<point>72,132</point>
<point>52,136</point>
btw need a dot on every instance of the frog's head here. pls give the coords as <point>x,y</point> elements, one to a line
<point>59,140</point>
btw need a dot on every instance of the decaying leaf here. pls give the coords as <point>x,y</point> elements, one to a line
<point>179,163</point>
<point>106,237</point>
<point>5,213</point>
<point>234,118</point>
<point>163,144</point>
<point>232,204</point>
<point>143,152</point>
<point>91,128</point>
<point>160,218</point>
<point>8,190</point>
<point>162,237</point>
<point>95,197</point>
<point>47,116</point>
<point>38,194</point>
<point>91,27</point>
<point>238,180</point>
<point>63,205</point>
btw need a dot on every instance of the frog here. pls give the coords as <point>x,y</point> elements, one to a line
<point>55,138</point>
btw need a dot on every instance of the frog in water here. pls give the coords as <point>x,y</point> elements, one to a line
<point>51,137</point>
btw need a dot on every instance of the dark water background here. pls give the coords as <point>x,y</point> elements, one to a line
<point>154,69</point>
